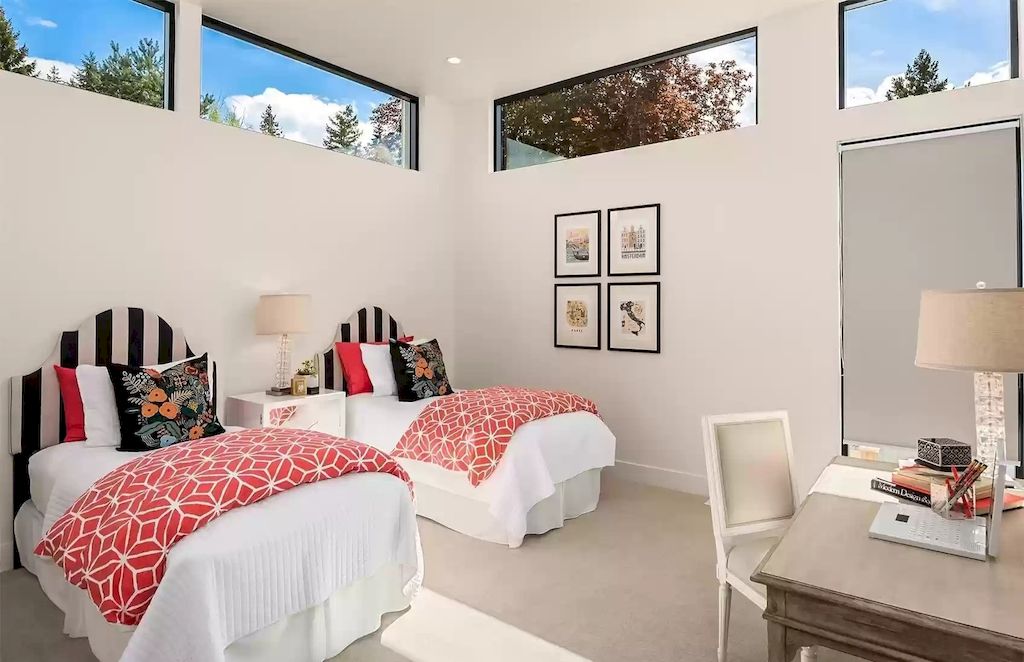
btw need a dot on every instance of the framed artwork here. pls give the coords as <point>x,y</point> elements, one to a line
<point>578,316</point>
<point>578,244</point>
<point>634,241</point>
<point>634,317</point>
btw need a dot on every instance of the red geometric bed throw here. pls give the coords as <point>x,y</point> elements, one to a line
<point>470,430</point>
<point>113,541</point>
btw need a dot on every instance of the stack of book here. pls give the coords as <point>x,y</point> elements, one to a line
<point>914,484</point>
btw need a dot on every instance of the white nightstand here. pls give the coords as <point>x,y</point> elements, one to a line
<point>324,412</point>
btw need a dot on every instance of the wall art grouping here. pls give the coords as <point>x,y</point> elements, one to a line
<point>633,316</point>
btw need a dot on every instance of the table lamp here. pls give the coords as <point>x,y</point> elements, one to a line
<point>282,315</point>
<point>979,331</point>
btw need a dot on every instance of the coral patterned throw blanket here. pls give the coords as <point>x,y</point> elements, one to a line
<point>113,542</point>
<point>470,430</point>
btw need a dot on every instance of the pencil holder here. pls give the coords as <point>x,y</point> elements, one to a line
<point>965,507</point>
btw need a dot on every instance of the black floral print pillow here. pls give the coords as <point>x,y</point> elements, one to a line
<point>419,370</point>
<point>158,409</point>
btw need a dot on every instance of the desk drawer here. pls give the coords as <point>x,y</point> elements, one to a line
<point>911,636</point>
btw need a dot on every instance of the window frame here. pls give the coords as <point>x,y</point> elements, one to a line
<point>168,8</point>
<point>851,5</point>
<point>500,158</point>
<point>323,65</point>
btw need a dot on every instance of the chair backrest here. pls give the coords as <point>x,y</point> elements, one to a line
<point>750,479</point>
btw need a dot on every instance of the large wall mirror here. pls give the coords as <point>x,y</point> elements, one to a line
<point>930,211</point>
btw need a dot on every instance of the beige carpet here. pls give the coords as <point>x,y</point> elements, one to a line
<point>633,580</point>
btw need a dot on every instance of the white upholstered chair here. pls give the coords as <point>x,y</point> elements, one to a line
<point>753,497</point>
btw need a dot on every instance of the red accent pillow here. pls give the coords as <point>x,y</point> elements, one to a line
<point>357,379</point>
<point>74,412</point>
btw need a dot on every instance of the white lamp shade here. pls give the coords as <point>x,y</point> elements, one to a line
<point>971,330</point>
<point>279,314</point>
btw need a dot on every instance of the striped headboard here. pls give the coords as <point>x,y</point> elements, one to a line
<point>370,324</point>
<point>121,335</point>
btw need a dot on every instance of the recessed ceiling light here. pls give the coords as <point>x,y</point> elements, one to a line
<point>454,60</point>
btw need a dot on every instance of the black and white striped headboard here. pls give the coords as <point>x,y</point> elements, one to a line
<point>370,324</point>
<point>131,336</point>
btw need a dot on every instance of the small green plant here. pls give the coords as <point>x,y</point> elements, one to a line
<point>308,367</point>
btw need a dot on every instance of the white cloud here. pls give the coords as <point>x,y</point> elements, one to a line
<point>997,72</point>
<point>860,96</point>
<point>43,66</point>
<point>41,22</point>
<point>302,117</point>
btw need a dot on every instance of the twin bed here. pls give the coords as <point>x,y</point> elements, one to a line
<point>550,474</point>
<point>323,579</point>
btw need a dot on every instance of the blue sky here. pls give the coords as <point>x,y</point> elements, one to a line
<point>243,76</point>
<point>968,37</point>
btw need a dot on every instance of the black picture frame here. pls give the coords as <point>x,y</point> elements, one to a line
<point>657,256</point>
<point>657,328</point>
<point>557,242</point>
<point>595,286</point>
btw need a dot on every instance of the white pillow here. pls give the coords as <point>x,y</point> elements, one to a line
<point>102,427</point>
<point>377,359</point>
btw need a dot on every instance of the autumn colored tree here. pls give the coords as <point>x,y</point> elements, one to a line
<point>649,104</point>
<point>268,123</point>
<point>13,57</point>
<point>921,77</point>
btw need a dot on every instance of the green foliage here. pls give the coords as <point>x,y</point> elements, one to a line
<point>307,368</point>
<point>921,77</point>
<point>650,104</point>
<point>12,56</point>
<point>214,110</point>
<point>54,75</point>
<point>136,74</point>
<point>268,123</point>
<point>343,131</point>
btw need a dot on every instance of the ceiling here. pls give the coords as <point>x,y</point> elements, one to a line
<point>505,47</point>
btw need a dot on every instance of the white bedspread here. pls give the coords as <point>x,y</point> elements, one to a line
<point>541,454</point>
<point>255,565</point>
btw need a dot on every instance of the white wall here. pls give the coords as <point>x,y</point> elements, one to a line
<point>105,203</point>
<point>750,243</point>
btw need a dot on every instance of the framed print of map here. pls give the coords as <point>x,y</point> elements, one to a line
<point>578,244</point>
<point>578,316</point>
<point>634,241</point>
<point>634,317</point>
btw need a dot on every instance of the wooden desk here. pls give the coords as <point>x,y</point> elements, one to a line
<point>831,585</point>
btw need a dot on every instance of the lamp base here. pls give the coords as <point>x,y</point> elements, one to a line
<point>990,421</point>
<point>278,392</point>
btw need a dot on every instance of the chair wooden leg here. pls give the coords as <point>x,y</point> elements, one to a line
<point>724,609</point>
<point>809,654</point>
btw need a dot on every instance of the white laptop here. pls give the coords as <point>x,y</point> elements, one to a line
<point>920,527</point>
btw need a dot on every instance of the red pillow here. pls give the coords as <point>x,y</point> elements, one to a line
<point>357,379</point>
<point>74,412</point>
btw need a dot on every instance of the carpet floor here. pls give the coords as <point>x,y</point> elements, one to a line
<point>633,580</point>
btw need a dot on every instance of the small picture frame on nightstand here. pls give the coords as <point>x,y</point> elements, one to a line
<point>299,385</point>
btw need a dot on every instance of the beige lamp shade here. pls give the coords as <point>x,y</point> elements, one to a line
<point>971,330</point>
<point>279,314</point>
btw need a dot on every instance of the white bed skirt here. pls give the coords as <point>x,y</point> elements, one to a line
<point>448,499</point>
<point>313,635</point>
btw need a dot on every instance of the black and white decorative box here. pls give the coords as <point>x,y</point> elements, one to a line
<point>943,454</point>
